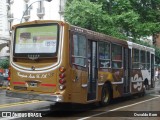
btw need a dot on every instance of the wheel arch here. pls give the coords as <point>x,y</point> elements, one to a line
<point>107,82</point>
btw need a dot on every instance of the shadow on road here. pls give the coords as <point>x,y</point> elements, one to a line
<point>82,110</point>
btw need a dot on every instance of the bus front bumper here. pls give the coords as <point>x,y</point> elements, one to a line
<point>33,96</point>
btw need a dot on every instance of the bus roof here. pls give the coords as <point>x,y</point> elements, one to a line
<point>140,47</point>
<point>98,36</point>
<point>36,22</point>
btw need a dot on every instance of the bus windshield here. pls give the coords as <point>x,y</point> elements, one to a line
<point>41,40</point>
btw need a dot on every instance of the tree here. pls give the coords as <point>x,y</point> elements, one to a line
<point>119,18</point>
<point>149,16</point>
<point>4,63</point>
<point>91,17</point>
<point>87,18</point>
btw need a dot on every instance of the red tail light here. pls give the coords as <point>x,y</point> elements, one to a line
<point>62,78</point>
<point>62,81</point>
<point>61,75</point>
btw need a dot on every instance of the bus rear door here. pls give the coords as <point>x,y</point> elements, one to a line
<point>127,70</point>
<point>92,70</point>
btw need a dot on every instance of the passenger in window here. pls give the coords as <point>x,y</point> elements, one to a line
<point>103,56</point>
<point>106,56</point>
<point>114,65</point>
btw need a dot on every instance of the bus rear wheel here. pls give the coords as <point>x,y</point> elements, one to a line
<point>106,95</point>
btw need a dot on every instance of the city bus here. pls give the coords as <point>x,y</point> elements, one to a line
<point>59,62</point>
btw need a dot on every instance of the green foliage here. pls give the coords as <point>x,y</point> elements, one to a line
<point>149,16</point>
<point>119,18</point>
<point>157,55</point>
<point>83,13</point>
<point>4,63</point>
<point>90,15</point>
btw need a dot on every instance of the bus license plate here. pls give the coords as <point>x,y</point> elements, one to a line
<point>33,84</point>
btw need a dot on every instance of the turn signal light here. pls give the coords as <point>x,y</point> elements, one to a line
<point>62,69</point>
<point>8,78</point>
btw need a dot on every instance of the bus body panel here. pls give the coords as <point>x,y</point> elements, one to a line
<point>60,79</point>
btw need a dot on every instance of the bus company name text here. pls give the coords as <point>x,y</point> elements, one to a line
<point>46,75</point>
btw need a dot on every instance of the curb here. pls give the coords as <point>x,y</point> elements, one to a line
<point>154,90</point>
<point>3,87</point>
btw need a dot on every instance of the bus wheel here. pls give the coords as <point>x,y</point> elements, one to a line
<point>142,94</point>
<point>146,84</point>
<point>106,95</point>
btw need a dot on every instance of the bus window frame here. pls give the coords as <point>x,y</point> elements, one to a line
<point>139,61</point>
<point>144,62</point>
<point>122,47</point>
<point>148,63</point>
<point>71,50</point>
<point>41,55</point>
<point>110,59</point>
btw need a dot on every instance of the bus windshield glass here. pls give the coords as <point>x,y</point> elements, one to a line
<point>38,39</point>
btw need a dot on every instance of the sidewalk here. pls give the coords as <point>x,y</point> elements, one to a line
<point>156,89</point>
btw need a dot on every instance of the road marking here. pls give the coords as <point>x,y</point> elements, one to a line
<point>158,96</point>
<point>154,95</point>
<point>19,103</point>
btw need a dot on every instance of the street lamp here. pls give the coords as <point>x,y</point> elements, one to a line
<point>31,5</point>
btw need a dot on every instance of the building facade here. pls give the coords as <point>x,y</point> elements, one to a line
<point>157,40</point>
<point>29,10</point>
<point>4,30</point>
<point>3,19</point>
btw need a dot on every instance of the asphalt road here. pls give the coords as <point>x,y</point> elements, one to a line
<point>128,108</point>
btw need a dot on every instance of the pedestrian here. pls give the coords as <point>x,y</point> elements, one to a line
<point>156,75</point>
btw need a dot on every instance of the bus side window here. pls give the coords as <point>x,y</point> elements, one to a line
<point>148,61</point>
<point>79,50</point>
<point>104,54</point>
<point>136,58</point>
<point>116,56</point>
<point>143,59</point>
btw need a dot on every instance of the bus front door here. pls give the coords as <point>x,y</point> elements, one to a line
<point>92,70</point>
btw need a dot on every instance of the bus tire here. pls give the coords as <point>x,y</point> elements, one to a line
<point>146,84</point>
<point>142,94</point>
<point>106,95</point>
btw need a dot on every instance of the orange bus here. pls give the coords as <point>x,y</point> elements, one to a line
<point>56,61</point>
